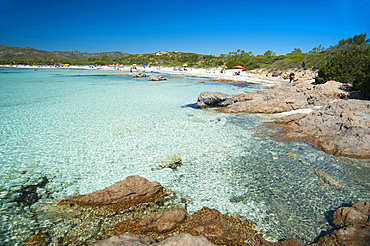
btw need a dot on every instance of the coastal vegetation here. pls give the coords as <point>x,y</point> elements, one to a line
<point>350,63</point>
<point>347,62</point>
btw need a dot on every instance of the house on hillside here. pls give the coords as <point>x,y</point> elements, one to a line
<point>161,53</point>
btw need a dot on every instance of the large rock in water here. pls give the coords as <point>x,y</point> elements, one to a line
<point>139,75</point>
<point>156,77</point>
<point>214,99</point>
<point>353,225</point>
<point>129,192</point>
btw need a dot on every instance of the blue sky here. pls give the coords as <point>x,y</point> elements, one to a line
<point>207,27</point>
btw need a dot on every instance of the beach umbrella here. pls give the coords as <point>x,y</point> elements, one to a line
<point>224,66</point>
<point>239,67</point>
<point>185,65</point>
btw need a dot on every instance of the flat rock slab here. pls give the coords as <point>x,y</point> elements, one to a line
<point>129,192</point>
<point>139,75</point>
<point>341,128</point>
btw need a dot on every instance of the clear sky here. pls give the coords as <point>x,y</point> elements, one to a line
<point>207,27</point>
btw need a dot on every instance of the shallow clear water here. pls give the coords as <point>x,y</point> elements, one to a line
<point>84,132</point>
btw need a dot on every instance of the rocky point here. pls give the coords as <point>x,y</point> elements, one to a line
<point>146,218</point>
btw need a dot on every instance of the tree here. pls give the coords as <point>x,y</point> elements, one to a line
<point>269,53</point>
<point>357,40</point>
<point>297,50</point>
<point>103,57</point>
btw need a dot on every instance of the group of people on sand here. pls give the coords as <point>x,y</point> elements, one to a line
<point>179,68</point>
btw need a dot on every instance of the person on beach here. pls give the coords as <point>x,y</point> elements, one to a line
<point>291,77</point>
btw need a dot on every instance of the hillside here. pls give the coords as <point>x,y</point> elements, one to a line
<point>7,52</point>
<point>75,54</point>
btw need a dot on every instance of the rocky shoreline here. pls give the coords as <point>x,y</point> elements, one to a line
<point>138,212</point>
<point>328,115</point>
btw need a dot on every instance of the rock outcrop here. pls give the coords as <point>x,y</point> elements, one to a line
<point>127,193</point>
<point>341,128</point>
<point>139,75</point>
<point>156,77</point>
<point>155,223</point>
<point>164,222</point>
<point>286,97</point>
<point>221,229</point>
<point>217,228</point>
<point>210,99</point>
<point>128,239</point>
<point>353,226</point>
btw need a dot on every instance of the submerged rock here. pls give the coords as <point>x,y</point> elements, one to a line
<point>27,194</point>
<point>129,192</point>
<point>156,223</point>
<point>163,222</point>
<point>327,178</point>
<point>139,75</point>
<point>128,239</point>
<point>172,162</point>
<point>185,239</point>
<point>222,229</point>
<point>38,239</point>
<point>214,99</point>
<point>156,77</point>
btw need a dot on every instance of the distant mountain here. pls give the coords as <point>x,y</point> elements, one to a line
<point>7,52</point>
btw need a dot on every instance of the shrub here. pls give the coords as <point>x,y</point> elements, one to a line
<point>352,68</point>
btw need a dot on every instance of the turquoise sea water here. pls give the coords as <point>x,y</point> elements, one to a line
<point>72,132</point>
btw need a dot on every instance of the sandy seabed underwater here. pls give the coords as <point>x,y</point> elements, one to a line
<point>80,132</point>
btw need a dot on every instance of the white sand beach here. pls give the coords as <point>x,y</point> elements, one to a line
<point>214,73</point>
